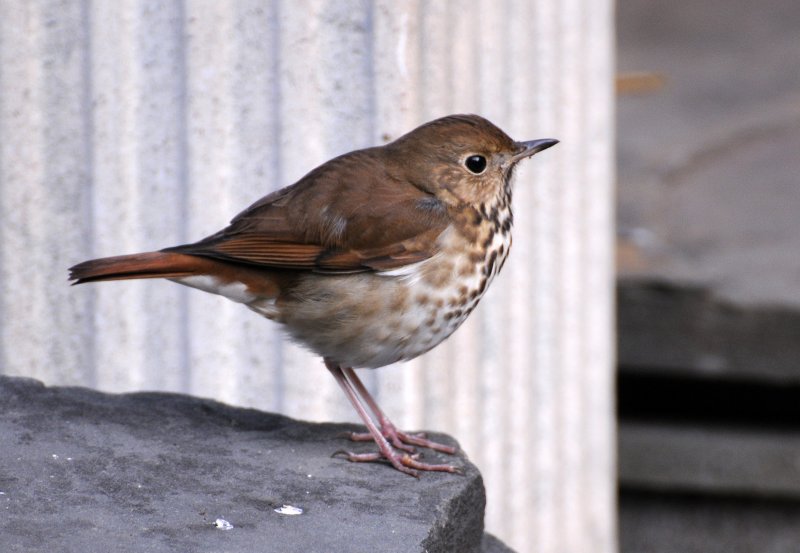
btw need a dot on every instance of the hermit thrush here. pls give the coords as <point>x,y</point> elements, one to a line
<point>374,257</point>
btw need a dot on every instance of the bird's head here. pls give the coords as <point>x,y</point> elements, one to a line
<point>462,159</point>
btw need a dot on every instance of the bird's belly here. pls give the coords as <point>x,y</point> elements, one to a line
<point>366,320</point>
<point>361,320</point>
<point>370,320</point>
<point>373,319</point>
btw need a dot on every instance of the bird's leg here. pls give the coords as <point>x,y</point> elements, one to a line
<point>399,439</point>
<point>384,447</point>
<point>401,461</point>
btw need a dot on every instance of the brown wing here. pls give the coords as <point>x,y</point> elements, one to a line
<point>354,213</point>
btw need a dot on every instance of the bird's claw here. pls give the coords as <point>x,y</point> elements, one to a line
<point>404,462</point>
<point>404,441</point>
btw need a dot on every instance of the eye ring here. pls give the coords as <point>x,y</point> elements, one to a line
<point>475,164</point>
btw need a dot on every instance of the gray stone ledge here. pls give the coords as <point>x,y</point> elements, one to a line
<point>151,472</point>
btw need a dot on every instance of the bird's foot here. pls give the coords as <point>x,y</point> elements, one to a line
<point>402,440</point>
<point>408,464</point>
<point>395,447</point>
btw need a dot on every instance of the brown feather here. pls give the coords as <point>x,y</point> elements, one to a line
<point>368,210</point>
<point>354,213</point>
<point>140,265</point>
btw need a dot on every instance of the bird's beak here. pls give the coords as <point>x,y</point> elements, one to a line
<point>527,149</point>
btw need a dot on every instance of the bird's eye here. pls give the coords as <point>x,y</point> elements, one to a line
<point>476,164</point>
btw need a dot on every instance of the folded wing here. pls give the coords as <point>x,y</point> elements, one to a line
<point>355,213</point>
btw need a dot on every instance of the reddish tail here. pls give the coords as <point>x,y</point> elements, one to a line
<point>139,265</point>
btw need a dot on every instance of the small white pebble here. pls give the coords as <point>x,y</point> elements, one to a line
<point>223,524</point>
<point>55,456</point>
<point>289,510</point>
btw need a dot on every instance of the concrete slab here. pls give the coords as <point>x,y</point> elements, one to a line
<point>83,471</point>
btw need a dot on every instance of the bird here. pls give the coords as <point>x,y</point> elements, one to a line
<point>374,257</point>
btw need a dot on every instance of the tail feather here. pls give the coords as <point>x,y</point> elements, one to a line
<point>139,265</point>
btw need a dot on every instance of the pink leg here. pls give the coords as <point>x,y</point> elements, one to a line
<point>402,462</point>
<point>398,438</point>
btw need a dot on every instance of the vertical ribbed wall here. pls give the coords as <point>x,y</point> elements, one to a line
<point>132,125</point>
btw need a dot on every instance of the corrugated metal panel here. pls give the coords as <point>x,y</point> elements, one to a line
<point>132,125</point>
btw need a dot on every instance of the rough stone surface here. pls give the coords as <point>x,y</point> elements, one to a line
<point>150,472</point>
